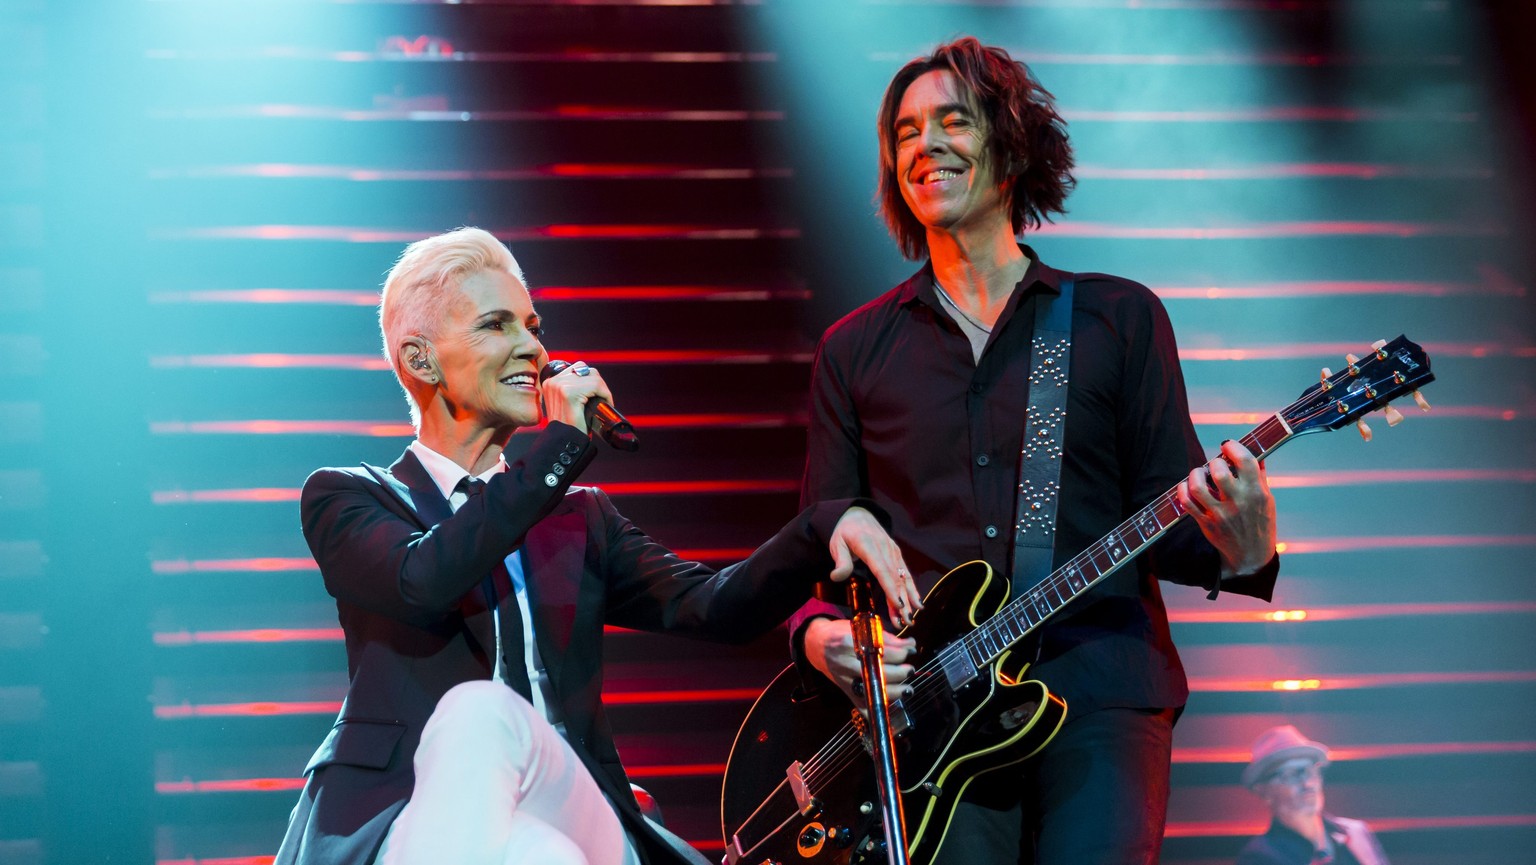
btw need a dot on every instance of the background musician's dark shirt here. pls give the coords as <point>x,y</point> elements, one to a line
<point>900,412</point>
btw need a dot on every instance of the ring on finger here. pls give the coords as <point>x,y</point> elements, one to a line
<point>584,371</point>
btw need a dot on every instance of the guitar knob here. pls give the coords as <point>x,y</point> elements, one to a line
<point>841,837</point>
<point>1365,429</point>
<point>1394,417</point>
<point>1423,403</point>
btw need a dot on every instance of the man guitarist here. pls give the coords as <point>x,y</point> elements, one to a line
<point>920,399</point>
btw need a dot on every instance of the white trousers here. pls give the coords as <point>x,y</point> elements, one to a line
<point>497,785</point>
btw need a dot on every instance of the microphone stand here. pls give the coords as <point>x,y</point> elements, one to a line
<point>869,643</point>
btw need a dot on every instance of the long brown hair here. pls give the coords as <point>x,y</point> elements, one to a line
<point>1026,137</point>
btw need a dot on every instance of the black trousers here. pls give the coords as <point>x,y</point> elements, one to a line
<point>1096,795</point>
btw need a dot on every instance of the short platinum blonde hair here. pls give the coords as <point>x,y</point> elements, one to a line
<point>423,286</point>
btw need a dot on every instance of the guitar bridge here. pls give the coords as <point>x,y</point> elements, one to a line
<point>810,806</point>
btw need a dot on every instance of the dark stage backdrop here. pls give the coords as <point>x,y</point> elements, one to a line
<point>199,198</point>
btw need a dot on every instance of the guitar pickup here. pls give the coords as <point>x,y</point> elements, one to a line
<point>809,806</point>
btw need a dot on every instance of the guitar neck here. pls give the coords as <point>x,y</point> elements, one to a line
<point>1090,567</point>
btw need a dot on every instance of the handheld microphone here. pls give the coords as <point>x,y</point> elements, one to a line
<point>602,419</point>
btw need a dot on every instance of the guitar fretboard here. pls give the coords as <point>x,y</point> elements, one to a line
<point>1102,558</point>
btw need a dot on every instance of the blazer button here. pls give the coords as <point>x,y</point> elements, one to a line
<point>551,480</point>
<point>558,469</point>
<point>565,459</point>
<point>991,531</point>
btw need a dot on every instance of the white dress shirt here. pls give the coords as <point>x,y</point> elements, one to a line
<point>447,474</point>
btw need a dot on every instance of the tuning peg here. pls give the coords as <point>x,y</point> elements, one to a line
<point>1352,360</point>
<point>1423,403</point>
<point>1394,417</point>
<point>1327,385</point>
<point>1376,346</point>
<point>1365,429</point>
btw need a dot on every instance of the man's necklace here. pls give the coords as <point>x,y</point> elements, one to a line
<point>963,314</point>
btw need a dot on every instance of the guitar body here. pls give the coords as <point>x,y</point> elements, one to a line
<point>950,738</point>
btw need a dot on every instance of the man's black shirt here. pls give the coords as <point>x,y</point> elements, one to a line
<point>900,412</point>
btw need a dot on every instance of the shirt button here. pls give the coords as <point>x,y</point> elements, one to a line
<point>982,460</point>
<point>977,387</point>
<point>991,531</point>
<point>550,480</point>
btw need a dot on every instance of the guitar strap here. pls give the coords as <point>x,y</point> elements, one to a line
<point>1034,533</point>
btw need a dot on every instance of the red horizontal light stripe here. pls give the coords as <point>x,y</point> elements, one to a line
<point>1499,287</point>
<point>1222,59</point>
<point>706,355</point>
<point>372,362</point>
<point>246,710</point>
<point>222,860</point>
<point>253,565</point>
<point>563,170</point>
<point>355,234</point>
<point>668,488</point>
<point>1352,682</point>
<point>1402,542</point>
<point>1286,171</point>
<point>1289,114</point>
<point>1378,824</point>
<point>444,115</point>
<point>573,55</point>
<point>271,361</point>
<point>272,564</point>
<point>331,297</point>
<point>711,695</point>
<point>675,771</point>
<point>1292,351</point>
<point>667,292</point>
<point>232,785</point>
<point>253,494</point>
<point>383,429</point>
<point>391,429</point>
<point>1363,477</point>
<point>256,635</point>
<point>338,297</point>
<point>1269,230</point>
<point>1347,753</point>
<point>1350,613</point>
<point>1477,412</point>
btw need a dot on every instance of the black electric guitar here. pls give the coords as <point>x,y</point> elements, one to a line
<point>800,787</point>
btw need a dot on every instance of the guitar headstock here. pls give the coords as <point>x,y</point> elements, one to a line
<point>1391,370</point>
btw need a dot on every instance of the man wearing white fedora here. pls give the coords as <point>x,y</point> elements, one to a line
<point>1287,773</point>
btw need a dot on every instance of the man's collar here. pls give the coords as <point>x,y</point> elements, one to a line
<point>446,473</point>
<point>922,286</point>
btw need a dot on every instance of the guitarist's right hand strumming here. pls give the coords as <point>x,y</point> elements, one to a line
<point>829,648</point>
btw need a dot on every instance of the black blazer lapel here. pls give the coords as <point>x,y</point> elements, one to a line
<point>409,480</point>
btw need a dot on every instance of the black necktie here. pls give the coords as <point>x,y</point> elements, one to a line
<point>499,595</point>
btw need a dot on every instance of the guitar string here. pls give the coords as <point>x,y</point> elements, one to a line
<point>846,743</point>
